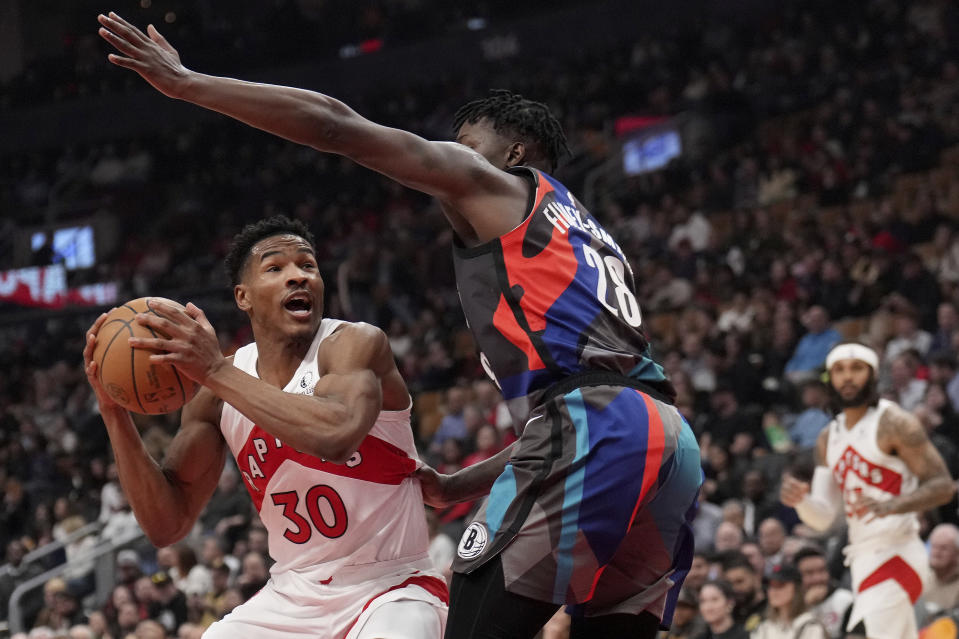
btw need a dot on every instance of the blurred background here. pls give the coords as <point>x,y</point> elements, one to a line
<point>781,176</point>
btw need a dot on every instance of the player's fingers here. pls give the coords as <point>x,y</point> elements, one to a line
<point>154,343</point>
<point>172,312</point>
<point>120,26</point>
<point>196,313</point>
<point>157,37</point>
<point>122,45</point>
<point>127,63</point>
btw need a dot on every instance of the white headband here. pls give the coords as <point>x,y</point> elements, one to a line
<point>853,351</point>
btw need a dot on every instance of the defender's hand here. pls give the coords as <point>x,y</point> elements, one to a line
<point>149,55</point>
<point>434,486</point>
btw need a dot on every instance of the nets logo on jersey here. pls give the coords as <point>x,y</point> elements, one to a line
<point>473,541</point>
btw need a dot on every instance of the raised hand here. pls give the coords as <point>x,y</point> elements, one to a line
<point>149,54</point>
<point>191,344</point>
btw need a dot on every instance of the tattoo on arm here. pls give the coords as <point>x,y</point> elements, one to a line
<point>905,434</point>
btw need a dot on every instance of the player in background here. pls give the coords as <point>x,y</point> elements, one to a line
<point>874,462</point>
<point>591,506</point>
<point>317,416</point>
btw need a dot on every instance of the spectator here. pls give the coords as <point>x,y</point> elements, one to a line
<point>687,623</point>
<point>150,629</point>
<point>828,603</point>
<point>128,567</point>
<point>169,603</point>
<point>227,512</point>
<point>757,503</point>
<point>188,575</point>
<point>747,589</point>
<point>947,322</point>
<point>453,424</point>
<point>716,603</point>
<point>772,535</point>
<point>908,336</point>
<point>942,589</point>
<point>811,351</point>
<point>253,575</point>
<point>17,573</point>
<point>943,370</point>
<point>906,389</point>
<point>729,537</point>
<point>813,418</point>
<point>698,572</point>
<point>787,617</point>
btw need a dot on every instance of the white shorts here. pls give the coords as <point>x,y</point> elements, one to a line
<point>405,600</point>
<point>887,579</point>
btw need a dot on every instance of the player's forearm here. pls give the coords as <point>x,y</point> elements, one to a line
<point>476,481</point>
<point>301,116</point>
<point>330,427</point>
<point>933,492</point>
<point>156,501</point>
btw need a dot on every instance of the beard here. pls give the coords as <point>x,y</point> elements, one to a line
<point>865,396</point>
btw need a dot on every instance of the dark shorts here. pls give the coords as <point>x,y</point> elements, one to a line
<point>594,508</point>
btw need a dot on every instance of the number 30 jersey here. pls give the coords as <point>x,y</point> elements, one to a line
<point>552,298</point>
<point>321,514</point>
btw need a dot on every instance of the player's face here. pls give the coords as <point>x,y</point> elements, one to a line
<point>281,285</point>
<point>483,138</point>
<point>851,378</point>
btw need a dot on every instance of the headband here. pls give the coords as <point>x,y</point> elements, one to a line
<point>853,351</point>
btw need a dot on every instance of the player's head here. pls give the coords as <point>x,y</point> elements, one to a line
<point>276,281</point>
<point>852,371</point>
<point>509,130</point>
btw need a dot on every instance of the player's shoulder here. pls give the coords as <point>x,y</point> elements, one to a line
<point>360,331</point>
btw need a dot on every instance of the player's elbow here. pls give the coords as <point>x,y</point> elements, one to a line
<point>165,533</point>
<point>328,122</point>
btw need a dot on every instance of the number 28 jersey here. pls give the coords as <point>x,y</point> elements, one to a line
<point>321,514</point>
<point>552,298</point>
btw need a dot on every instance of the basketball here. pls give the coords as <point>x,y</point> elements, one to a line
<point>128,375</point>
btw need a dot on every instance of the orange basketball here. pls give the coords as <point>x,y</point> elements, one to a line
<point>128,375</point>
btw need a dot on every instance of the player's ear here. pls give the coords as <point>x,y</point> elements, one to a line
<point>241,297</point>
<point>516,154</point>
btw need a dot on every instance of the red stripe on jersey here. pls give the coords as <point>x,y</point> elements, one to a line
<point>432,585</point>
<point>375,461</point>
<point>505,322</point>
<point>897,569</point>
<point>543,277</point>
<point>881,477</point>
<point>655,445</point>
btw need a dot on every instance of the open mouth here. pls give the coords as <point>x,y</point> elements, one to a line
<point>299,305</point>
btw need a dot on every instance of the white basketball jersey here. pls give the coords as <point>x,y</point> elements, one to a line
<point>862,469</point>
<point>368,509</point>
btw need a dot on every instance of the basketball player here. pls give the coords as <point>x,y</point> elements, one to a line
<point>877,464</point>
<point>591,506</point>
<point>317,416</point>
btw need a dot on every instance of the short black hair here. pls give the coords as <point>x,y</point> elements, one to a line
<point>512,113</point>
<point>244,241</point>
<point>731,559</point>
<point>807,551</point>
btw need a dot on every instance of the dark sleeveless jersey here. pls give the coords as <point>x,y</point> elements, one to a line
<point>552,298</point>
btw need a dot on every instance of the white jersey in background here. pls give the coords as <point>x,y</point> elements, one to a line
<point>860,468</point>
<point>886,557</point>
<point>325,516</point>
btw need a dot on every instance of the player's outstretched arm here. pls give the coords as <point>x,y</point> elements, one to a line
<point>166,498</point>
<point>901,433</point>
<point>468,185</point>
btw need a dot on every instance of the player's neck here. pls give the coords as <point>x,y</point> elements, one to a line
<point>278,359</point>
<point>854,414</point>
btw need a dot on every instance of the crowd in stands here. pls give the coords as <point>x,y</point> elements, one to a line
<point>829,211</point>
